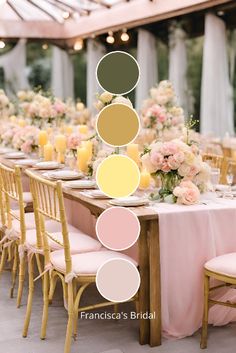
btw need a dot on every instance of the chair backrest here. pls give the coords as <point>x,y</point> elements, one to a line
<point>48,204</point>
<point>214,160</point>
<point>12,191</point>
<point>2,204</point>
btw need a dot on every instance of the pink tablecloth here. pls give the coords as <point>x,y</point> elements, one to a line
<point>190,236</point>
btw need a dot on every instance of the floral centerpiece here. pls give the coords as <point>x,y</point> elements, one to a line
<point>6,107</point>
<point>161,114</point>
<point>25,139</point>
<point>181,170</point>
<point>41,107</point>
<point>107,98</point>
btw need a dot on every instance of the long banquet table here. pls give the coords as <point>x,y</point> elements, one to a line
<point>174,244</point>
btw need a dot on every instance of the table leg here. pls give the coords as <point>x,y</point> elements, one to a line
<point>155,284</point>
<point>144,329</point>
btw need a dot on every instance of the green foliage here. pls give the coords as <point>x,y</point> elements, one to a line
<point>80,81</point>
<point>39,76</point>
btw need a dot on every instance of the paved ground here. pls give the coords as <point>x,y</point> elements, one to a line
<point>95,336</point>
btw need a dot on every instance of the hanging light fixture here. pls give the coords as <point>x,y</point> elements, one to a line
<point>124,35</point>
<point>45,46</point>
<point>110,38</point>
<point>2,44</point>
<point>78,45</point>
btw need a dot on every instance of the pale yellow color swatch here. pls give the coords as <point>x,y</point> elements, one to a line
<point>118,176</point>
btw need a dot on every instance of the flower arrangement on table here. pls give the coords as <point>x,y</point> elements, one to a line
<point>107,98</point>
<point>77,113</point>
<point>181,170</point>
<point>161,114</point>
<point>41,107</point>
<point>26,139</point>
<point>6,107</point>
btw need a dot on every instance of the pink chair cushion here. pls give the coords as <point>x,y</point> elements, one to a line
<point>79,242</point>
<point>29,221</point>
<point>224,264</point>
<point>86,263</point>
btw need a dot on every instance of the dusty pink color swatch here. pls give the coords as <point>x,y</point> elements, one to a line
<point>118,228</point>
<point>118,280</point>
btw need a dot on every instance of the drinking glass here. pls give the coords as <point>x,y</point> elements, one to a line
<point>215,177</point>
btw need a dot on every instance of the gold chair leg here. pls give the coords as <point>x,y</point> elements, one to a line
<point>30,296</point>
<point>45,305</point>
<point>53,283</point>
<point>77,299</point>
<point>70,318</point>
<point>205,313</point>
<point>14,270</point>
<point>21,280</point>
<point>3,259</point>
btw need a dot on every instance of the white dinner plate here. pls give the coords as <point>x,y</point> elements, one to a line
<point>222,187</point>
<point>4,150</point>
<point>95,194</point>
<point>50,165</point>
<point>27,162</point>
<point>129,201</point>
<point>64,175</point>
<point>80,184</point>
<point>14,155</point>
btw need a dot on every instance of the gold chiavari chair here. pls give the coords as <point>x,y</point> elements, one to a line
<point>216,161</point>
<point>223,269</point>
<point>16,224</point>
<point>72,269</point>
<point>45,196</point>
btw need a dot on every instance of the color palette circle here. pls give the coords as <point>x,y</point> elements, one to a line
<point>118,228</point>
<point>118,280</point>
<point>117,124</point>
<point>118,72</point>
<point>118,176</point>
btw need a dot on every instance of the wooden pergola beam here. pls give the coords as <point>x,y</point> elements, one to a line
<point>126,14</point>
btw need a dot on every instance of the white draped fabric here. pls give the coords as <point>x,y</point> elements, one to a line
<point>14,67</point>
<point>95,52</point>
<point>62,82</point>
<point>178,66</point>
<point>147,59</point>
<point>216,91</point>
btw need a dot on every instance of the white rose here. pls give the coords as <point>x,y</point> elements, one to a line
<point>123,100</point>
<point>80,106</point>
<point>106,97</point>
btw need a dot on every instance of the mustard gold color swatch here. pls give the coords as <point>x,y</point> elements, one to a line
<point>117,124</point>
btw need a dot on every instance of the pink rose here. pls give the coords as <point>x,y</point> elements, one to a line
<point>187,193</point>
<point>156,159</point>
<point>173,164</point>
<point>165,167</point>
<point>169,148</point>
<point>73,141</point>
<point>179,157</point>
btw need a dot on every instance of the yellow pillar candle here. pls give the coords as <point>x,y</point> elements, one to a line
<point>21,122</point>
<point>48,152</point>
<point>89,146</point>
<point>82,159</point>
<point>145,180</point>
<point>42,138</point>
<point>42,141</point>
<point>83,129</point>
<point>69,129</point>
<point>133,152</point>
<point>60,144</point>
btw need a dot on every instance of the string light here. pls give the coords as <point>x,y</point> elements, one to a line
<point>78,45</point>
<point>2,44</point>
<point>220,13</point>
<point>110,38</point>
<point>124,36</point>
<point>45,46</point>
<point>66,15</point>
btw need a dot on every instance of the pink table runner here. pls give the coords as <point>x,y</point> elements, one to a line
<point>190,236</point>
